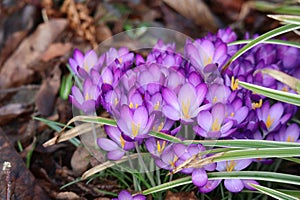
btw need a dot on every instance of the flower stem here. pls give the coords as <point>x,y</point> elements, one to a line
<point>136,186</point>
<point>143,165</point>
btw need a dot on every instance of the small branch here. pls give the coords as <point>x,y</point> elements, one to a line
<point>6,169</point>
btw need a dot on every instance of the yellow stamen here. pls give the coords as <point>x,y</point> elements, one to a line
<point>131,105</point>
<point>122,141</point>
<point>207,60</point>
<point>116,101</point>
<point>234,83</point>
<point>215,99</point>
<point>85,66</point>
<point>185,109</point>
<point>156,106</point>
<point>135,129</point>
<point>136,105</point>
<point>290,139</point>
<point>87,97</point>
<point>230,165</point>
<point>160,148</point>
<point>257,105</point>
<point>232,114</point>
<point>285,89</point>
<point>172,162</point>
<point>120,60</point>
<point>216,126</point>
<point>269,121</point>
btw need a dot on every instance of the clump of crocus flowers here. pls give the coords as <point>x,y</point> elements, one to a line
<point>168,90</point>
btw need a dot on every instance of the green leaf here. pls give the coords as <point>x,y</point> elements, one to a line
<point>273,41</point>
<point>259,153</point>
<point>66,86</point>
<point>273,193</point>
<point>289,19</point>
<point>275,152</point>
<point>274,94</point>
<point>226,143</point>
<point>244,175</point>
<point>280,8</point>
<point>260,39</point>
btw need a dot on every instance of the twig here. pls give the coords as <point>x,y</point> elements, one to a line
<point>26,87</point>
<point>6,169</point>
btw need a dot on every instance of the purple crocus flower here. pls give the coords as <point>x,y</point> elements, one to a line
<point>288,134</point>
<point>237,112</point>
<point>155,146</point>
<point>186,105</point>
<point>82,64</point>
<point>88,100</point>
<point>233,185</point>
<point>218,93</point>
<point>121,58</point>
<point>203,52</point>
<point>212,123</point>
<point>167,159</point>
<point>125,195</point>
<point>199,176</point>
<point>135,123</point>
<point>271,117</point>
<point>117,146</point>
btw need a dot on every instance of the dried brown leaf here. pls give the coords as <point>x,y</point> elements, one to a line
<point>64,136</point>
<point>80,160</point>
<point>16,71</point>
<point>45,97</point>
<point>10,112</point>
<point>56,50</point>
<point>195,10</point>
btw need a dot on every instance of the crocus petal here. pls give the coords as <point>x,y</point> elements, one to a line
<point>210,186</point>
<point>106,144</point>
<point>78,56</point>
<point>246,184</point>
<point>171,113</point>
<point>218,112</point>
<point>140,117</point>
<point>292,133</point>
<point>115,154</point>
<point>276,111</point>
<point>113,132</point>
<point>199,177</point>
<point>242,164</point>
<point>90,59</point>
<point>234,185</point>
<point>205,120</point>
<point>139,197</point>
<point>124,194</point>
<point>76,93</point>
<point>170,98</point>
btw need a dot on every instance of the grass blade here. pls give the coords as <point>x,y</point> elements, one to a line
<point>274,94</point>
<point>273,193</point>
<point>260,39</point>
<point>252,175</point>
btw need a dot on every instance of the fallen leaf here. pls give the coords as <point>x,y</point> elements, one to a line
<point>67,196</point>
<point>80,160</point>
<point>56,50</point>
<point>11,44</point>
<point>195,10</point>
<point>181,196</point>
<point>102,32</point>
<point>45,97</point>
<point>23,184</point>
<point>16,71</point>
<point>11,111</point>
